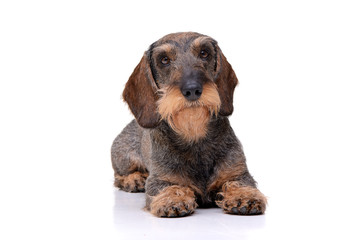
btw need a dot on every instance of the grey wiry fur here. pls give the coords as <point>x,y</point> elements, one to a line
<point>181,175</point>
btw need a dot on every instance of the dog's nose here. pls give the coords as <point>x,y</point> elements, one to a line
<point>192,91</point>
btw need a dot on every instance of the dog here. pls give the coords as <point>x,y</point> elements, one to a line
<point>180,149</point>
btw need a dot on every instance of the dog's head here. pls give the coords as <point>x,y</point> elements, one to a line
<point>183,79</point>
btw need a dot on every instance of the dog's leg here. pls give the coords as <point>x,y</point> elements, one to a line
<point>133,182</point>
<point>236,190</point>
<point>127,161</point>
<point>166,200</point>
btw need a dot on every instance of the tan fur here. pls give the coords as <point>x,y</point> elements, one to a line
<point>131,183</point>
<point>200,40</point>
<point>244,198</point>
<point>227,173</point>
<point>191,123</point>
<point>189,119</point>
<point>181,181</point>
<point>173,201</point>
<point>164,47</point>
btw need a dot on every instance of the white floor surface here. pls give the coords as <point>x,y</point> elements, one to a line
<point>99,211</point>
<point>303,219</point>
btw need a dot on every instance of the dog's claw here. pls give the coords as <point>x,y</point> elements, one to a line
<point>235,210</point>
<point>183,214</point>
<point>254,211</point>
<point>243,210</point>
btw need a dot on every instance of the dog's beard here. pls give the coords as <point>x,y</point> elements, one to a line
<point>189,119</point>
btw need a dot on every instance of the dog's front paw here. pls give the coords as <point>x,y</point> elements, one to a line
<point>242,200</point>
<point>173,201</point>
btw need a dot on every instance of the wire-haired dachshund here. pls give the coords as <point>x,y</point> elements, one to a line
<point>181,149</point>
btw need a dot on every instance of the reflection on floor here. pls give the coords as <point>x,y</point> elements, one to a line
<point>133,222</point>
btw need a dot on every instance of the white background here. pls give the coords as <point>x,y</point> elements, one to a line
<point>63,66</point>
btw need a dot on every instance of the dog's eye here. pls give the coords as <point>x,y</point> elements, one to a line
<point>204,54</point>
<point>165,60</point>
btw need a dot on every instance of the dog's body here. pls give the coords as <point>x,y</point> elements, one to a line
<point>181,149</point>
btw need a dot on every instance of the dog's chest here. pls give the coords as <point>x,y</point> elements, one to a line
<point>196,161</point>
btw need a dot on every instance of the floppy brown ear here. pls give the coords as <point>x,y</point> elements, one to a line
<point>226,82</point>
<point>140,95</point>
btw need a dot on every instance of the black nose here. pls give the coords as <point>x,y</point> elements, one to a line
<point>192,90</point>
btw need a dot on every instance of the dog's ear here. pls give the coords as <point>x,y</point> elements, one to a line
<point>226,82</point>
<point>140,95</point>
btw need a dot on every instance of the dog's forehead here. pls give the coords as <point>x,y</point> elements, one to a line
<point>182,40</point>
<point>181,37</point>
